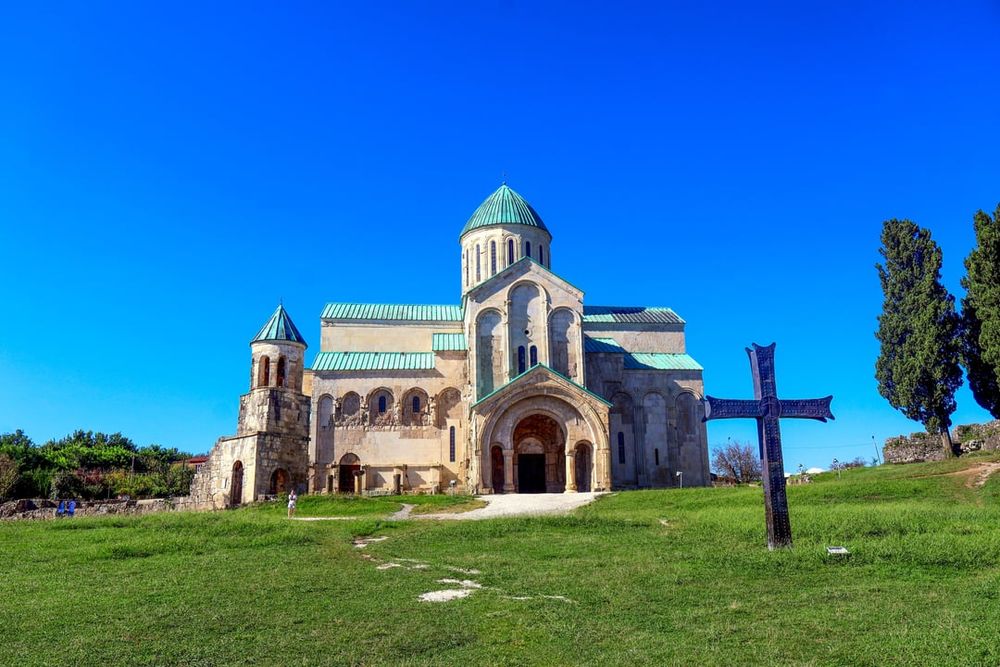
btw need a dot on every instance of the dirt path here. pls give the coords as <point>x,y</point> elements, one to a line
<point>518,504</point>
<point>977,475</point>
<point>514,504</point>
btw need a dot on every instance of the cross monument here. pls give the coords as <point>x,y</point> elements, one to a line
<point>767,409</point>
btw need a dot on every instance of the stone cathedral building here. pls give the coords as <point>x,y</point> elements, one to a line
<point>519,388</point>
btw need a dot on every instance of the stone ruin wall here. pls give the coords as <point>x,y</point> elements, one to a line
<point>39,508</point>
<point>918,447</point>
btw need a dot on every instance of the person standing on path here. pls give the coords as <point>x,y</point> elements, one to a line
<point>291,503</point>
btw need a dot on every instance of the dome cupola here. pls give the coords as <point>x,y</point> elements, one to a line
<point>503,207</point>
<point>503,230</point>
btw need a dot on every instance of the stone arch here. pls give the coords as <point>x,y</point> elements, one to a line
<point>381,407</point>
<point>626,458</point>
<point>654,426</point>
<point>280,376</point>
<point>688,455</point>
<point>526,319</point>
<point>449,406</point>
<point>581,419</point>
<point>415,407</point>
<point>236,485</point>
<point>489,352</point>
<point>324,411</point>
<point>279,481</point>
<point>539,443</point>
<point>264,371</point>
<point>563,342</point>
<point>349,410</point>
<point>348,466</point>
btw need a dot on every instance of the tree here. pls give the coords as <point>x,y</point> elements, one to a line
<point>981,313</point>
<point>737,461</point>
<point>9,474</point>
<point>918,368</point>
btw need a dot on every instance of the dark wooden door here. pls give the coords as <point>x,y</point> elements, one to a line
<point>531,473</point>
<point>347,477</point>
<point>236,488</point>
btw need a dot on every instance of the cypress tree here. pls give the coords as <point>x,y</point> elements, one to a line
<point>918,367</point>
<point>981,313</point>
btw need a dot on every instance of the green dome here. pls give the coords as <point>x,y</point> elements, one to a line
<point>504,207</point>
<point>280,327</point>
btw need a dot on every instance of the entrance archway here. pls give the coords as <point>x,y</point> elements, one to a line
<point>349,464</point>
<point>236,487</point>
<point>583,466</point>
<point>496,468</point>
<point>279,481</point>
<point>539,452</point>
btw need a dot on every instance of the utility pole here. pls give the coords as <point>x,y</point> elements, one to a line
<point>878,458</point>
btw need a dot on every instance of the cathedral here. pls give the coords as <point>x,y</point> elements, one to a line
<point>519,388</point>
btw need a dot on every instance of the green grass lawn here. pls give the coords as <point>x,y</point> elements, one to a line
<point>648,577</point>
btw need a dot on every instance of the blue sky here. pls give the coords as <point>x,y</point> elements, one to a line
<point>167,174</point>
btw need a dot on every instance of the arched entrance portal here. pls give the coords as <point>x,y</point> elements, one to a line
<point>539,452</point>
<point>236,487</point>
<point>279,481</point>
<point>349,464</point>
<point>583,467</point>
<point>496,468</point>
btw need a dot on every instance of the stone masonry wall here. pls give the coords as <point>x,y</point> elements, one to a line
<point>918,447</point>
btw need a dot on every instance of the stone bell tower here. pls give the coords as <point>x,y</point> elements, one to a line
<point>269,455</point>
<point>276,367</point>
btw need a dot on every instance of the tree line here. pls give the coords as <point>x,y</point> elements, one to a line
<point>89,466</point>
<point>925,340</point>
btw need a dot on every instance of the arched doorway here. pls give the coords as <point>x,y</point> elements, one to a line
<point>539,454</point>
<point>236,487</point>
<point>349,465</point>
<point>279,481</point>
<point>496,468</point>
<point>583,466</point>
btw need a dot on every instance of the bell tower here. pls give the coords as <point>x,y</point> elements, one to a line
<point>269,454</point>
<point>276,368</point>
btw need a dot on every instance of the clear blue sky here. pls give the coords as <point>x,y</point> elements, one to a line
<point>168,173</point>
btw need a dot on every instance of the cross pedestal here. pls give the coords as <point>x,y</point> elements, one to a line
<point>768,409</point>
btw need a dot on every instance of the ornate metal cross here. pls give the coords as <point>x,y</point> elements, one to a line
<point>767,409</point>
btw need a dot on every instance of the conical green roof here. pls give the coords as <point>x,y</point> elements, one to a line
<point>279,327</point>
<point>504,207</point>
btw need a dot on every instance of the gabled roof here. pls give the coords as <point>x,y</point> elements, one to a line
<point>373,361</point>
<point>279,327</point>
<point>534,369</point>
<point>504,207</point>
<point>631,315</point>
<point>392,311</point>
<point>521,263</point>
<point>642,361</point>
<point>448,342</point>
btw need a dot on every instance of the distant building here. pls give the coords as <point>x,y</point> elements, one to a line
<point>519,388</point>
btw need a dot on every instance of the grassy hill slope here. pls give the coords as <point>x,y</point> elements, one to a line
<point>649,577</point>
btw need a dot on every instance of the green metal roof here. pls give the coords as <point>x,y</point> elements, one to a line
<point>448,342</point>
<point>605,345</point>
<point>642,361</point>
<point>630,315</point>
<point>279,327</point>
<point>556,373</point>
<point>392,311</point>
<point>504,207</point>
<point>660,361</point>
<point>373,361</point>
